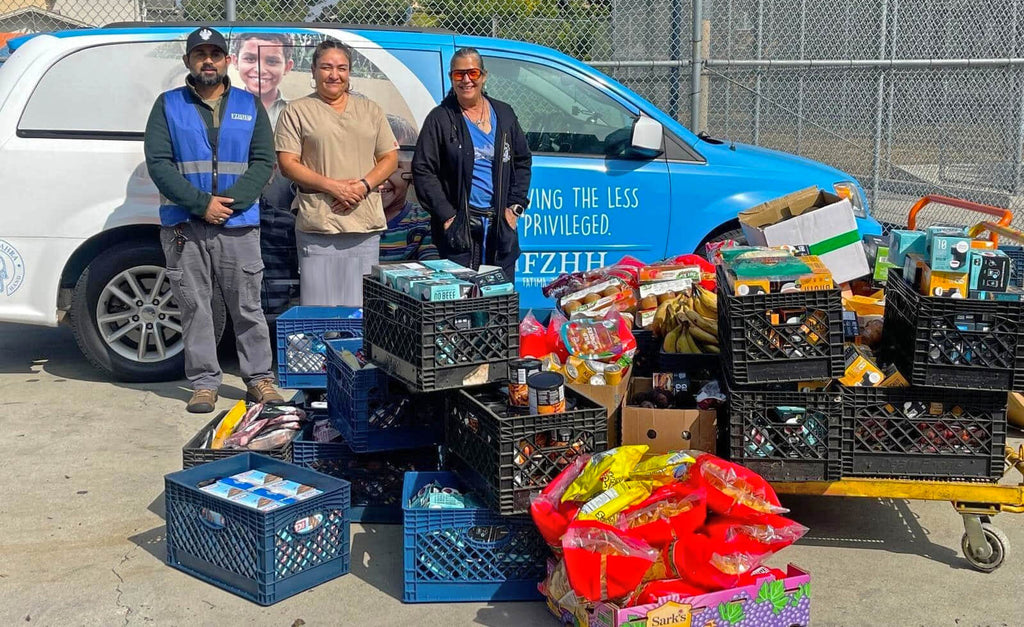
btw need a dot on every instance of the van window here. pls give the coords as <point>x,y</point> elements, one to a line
<point>558,112</point>
<point>113,88</point>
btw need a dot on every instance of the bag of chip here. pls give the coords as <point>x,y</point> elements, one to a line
<point>654,591</point>
<point>606,505</point>
<point>768,534</point>
<point>550,514</point>
<point>665,468</point>
<point>707,565</point>
<point>733,490</point>
<point>672,512</point>
<point>761,573</point>
<point>602,562</point>
<point>604,470</point>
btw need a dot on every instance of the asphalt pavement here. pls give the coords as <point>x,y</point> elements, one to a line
<point>82,526</point>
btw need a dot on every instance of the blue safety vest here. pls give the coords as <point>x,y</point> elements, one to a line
<point>195,158</point>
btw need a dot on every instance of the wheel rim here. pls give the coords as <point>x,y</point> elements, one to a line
<point>138,317</point>
<point>993,561</point>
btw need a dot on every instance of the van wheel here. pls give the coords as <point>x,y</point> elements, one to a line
<point>125,319</point>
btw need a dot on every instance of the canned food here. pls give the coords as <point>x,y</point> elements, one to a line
<point>519,371</point>
<point>547,393</point>
<point>551,363</point>
<point>613,374</point>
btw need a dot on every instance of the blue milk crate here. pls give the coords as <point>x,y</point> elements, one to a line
<point>470,554</point>
<point>374,412</point>
<point>301,332</point>
<point>262,556</point>
<point>376,478</point>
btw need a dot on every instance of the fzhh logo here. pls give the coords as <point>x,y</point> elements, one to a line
<point>12,269</point>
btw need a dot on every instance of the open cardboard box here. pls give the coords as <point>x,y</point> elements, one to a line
<point>824,222</point>
<point>665,430</point>
<point>611,397</point>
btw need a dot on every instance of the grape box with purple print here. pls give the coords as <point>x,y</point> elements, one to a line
<point>767,603</point>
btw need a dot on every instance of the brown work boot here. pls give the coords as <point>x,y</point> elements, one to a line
<point>202,402</point>
<point>263,391</point>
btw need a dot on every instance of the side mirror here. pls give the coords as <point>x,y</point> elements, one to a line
<point>648,135</point>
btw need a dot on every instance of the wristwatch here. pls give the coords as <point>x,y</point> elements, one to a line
<point>367,185</point>
<point>518,209</point>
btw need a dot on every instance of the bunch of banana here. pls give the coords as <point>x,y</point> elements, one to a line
<point>690,324</point>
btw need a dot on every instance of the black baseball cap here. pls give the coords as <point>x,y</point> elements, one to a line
<point>205,36</point>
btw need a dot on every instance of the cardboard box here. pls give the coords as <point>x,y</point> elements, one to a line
<point>913,268</point>
<point>664,430</point>
<point>822,221</point>
<point>948,284</point>
<point>903,242</point>
<point>611,397</point>
<point>949,254</point>
<point>990,270</point>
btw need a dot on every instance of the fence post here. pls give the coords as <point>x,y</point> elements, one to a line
<point>705,79</point>
<point>758,71</point>
<point>229,10</point>
<point>800,89</point>
<point>696,65</point>
<point>674,49</point>
<point>876,165</point>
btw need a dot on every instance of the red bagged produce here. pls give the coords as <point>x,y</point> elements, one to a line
<point>672,512</point>
<point>653,591</point>
<point>554,336</point>
<point>533,341</point>
<point>760,573</point>
<point>549,513</point>
<point>604,563</point>
<point>708,564</point>
<point>768,534</point>
<point>733,490</point>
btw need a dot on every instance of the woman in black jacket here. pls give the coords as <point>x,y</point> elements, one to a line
<point>472,171</point>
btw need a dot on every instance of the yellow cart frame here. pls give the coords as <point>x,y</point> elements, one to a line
<point>985,546</point>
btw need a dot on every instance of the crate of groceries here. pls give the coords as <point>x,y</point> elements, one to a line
<point>438,325</point>
<point>945,341</point>
<point>780,317</point>
<point>923,433</point>
<point>457,549</point>
<point>508,452</point>
<point>787,436</point>
<point>257,527</point>
<point>376,478</point>
<point>268,430</point>
<point>301,334</point>
<point>372,410</point>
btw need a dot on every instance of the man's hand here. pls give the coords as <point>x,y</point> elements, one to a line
<point>347,195</point>
<point>511,218</point>
<point>448,223</point>
<point>217,212</point>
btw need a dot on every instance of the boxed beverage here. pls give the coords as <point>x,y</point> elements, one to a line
<point>824,222</point>
<point>1012,294</point>
<point>821,277</point>
<point>861,370</point>
<point>990,270</point>
<point>948,284</point>
<point>913,268</point>
<point>443,265</point>
<point>883,265</point>
<point>904,242</point>
<point>949,254</point>
<point>438,290</point>
<point>943,229</point>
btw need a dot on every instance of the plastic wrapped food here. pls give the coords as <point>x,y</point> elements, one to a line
<point>664,468</point>
<point>533,341</point>
<point>704,563</point>
<point>554,335</point>
<point>607,504</point>
<point>670,513</point>
<point>767,534</point>
<point>604,563</point>
<point>604,339</point>
<point>734,490</point>
<point>549,513</point>
<point>654,591</point>
<point>603,471</point>
<point>760,573</point>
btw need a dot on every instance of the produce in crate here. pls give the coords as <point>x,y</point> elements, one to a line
<point>688,322</point>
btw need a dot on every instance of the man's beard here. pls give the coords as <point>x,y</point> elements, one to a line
<point>207,81</point>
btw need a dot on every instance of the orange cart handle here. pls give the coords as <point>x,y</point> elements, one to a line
<point>1004,215</point>
<point>997,230</point>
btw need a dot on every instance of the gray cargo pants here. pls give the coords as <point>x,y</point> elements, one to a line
<point>233,256</point>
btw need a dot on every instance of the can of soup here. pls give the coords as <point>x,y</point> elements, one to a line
<point>546,393</point>
<point>518,371</point>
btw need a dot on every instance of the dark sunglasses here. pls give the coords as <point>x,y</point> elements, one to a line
<point>473,73</point>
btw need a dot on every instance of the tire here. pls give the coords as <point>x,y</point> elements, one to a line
<point>113,345</point>
<point>1000,549</point>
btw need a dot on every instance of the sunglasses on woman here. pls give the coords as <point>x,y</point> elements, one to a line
<point>472,74</point>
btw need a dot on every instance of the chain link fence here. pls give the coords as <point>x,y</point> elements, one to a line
<point>909,97</point>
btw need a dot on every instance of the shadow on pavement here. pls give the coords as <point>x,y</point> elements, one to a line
<point>153,542</point>
<point>376,557</point>
<point>502,614</point>
<point>874,524</point>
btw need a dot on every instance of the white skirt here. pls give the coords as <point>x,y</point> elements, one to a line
<point>331,267</point>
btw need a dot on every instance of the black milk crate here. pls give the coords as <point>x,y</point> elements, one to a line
<point>689,363</point>
<point>645,360</point>
<point>760,345</point>
<point>954,342</point>
<point>376,478</point>
<point>924,433</point>
<point>440,345</point>
<point>193,453</point>
<point>509,455</point>
<point>787,436</point>
<point>375,412</point>
<point>1016,255</point>
<point>262,556</point>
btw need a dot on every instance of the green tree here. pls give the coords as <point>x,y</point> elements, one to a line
<point>368,12</point>
<point>246,10</point>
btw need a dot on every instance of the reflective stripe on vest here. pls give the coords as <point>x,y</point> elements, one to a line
<point>194,156</point>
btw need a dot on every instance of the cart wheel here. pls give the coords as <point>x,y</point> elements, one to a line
<point>999,543</point>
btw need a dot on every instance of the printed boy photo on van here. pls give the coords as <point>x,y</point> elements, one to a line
<point>262,61</point>
<point>408,234</point>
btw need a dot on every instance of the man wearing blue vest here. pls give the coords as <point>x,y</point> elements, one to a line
<point>210,150</point>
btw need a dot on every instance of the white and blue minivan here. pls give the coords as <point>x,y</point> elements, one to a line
<point>612,174</point>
